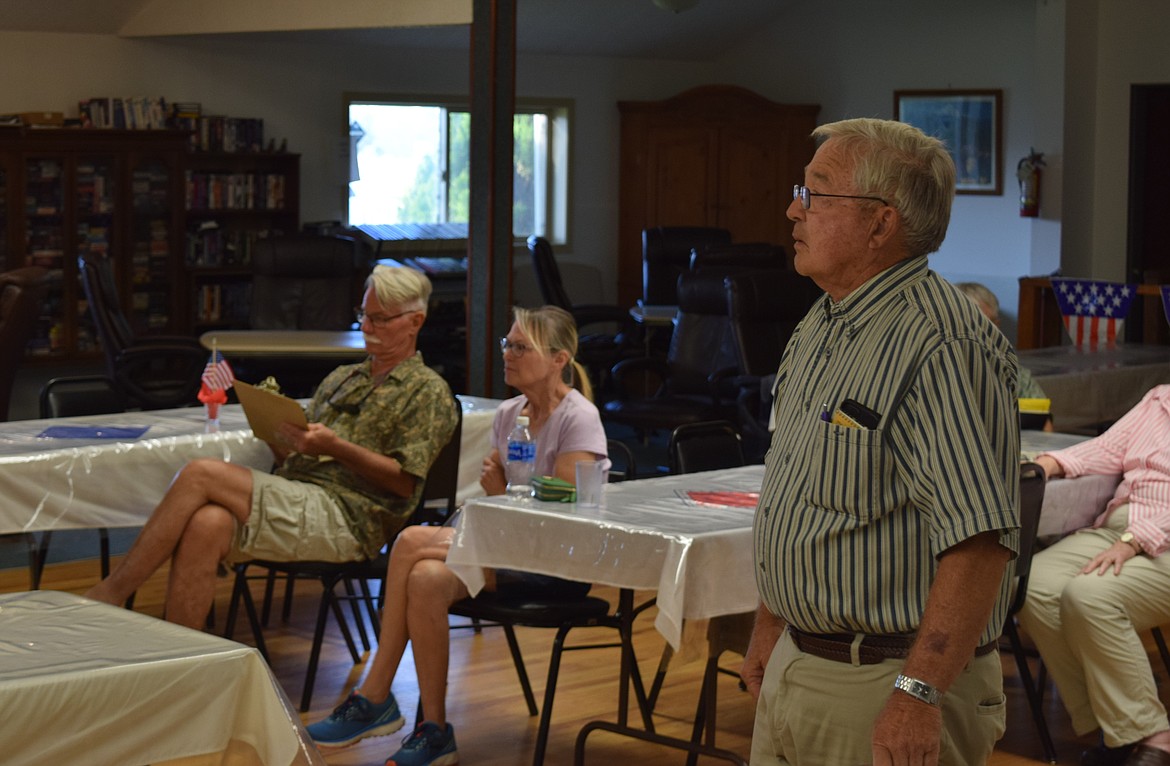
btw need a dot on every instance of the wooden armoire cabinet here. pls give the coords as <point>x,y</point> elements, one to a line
<point>716,155</point>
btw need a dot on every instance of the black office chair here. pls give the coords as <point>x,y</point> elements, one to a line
<point>1031,501</point>
<point>441,484</point>
<point>734,257</point>
<point>600,350</point>
<point>304,282</point>
<point>152,372</point>
<point>765,307</point>
<point>70,397</point>
<point>696,380</point>
<point>666,254</point>
<point>301,282</point>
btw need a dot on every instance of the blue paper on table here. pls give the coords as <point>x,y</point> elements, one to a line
<point>93,432</point>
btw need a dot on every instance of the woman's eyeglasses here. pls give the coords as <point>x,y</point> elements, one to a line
<point>518,349</point>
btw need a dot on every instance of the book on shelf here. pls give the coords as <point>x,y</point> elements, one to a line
<point>131,112</point>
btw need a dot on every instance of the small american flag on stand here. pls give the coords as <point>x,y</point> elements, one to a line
<point>218,375</point>
<point>1094,312</point>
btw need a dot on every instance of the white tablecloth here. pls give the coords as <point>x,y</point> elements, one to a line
<point>644,536</point>
<point>1091,387</point>
<point>87,683</point>
<point>51,483</point>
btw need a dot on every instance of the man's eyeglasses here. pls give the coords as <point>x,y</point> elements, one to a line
<point>801,192</point>
<point>378,320</point>
<point>518,349</point>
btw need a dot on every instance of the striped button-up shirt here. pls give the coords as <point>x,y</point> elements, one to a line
<point>851,521</point>
<point>1137,446</point>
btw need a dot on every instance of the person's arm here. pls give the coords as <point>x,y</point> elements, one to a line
<point>957,609</point>
<point>319,440</point>
<point>491,475</point>
<point>1052,469</point>
<point>765,633</point>
<point>565,466</point>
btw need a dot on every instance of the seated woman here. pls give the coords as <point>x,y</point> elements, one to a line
<point>1092,594</point>
<point>555,395</point>
<point>1026,385</point>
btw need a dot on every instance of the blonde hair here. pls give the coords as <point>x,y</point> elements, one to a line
<point>551,329</point>
<point>983,297</point>
<point>912,171</point>
<point>400,286</point>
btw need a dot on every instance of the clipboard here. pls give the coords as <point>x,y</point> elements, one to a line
<point>265,410</point>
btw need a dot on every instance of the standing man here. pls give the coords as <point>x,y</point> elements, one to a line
<point>888,511</point>
<point>343,488</point>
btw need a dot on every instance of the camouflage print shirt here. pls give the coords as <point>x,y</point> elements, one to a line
<point>410,417</point>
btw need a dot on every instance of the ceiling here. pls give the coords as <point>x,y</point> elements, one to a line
<point>609,28</point>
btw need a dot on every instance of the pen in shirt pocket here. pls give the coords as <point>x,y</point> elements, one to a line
<point>852,414</point>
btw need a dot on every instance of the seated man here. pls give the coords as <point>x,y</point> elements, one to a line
<point>343,487</point>
<point>1091,595</point>
<point>555,394</point>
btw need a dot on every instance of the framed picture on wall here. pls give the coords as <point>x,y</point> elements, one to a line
<point>970,123</point>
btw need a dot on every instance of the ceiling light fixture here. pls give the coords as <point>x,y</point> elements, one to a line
<point>676,6</point>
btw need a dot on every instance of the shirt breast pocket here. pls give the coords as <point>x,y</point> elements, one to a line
<point>851,472</point>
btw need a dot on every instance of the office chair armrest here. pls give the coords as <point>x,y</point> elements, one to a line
<point>724,384</point>
<point>626,374</point>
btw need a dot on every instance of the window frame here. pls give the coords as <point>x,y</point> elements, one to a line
<point>558,158</point>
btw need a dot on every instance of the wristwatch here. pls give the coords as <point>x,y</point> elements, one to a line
<point>919,690</point>
<point>1129,539</point>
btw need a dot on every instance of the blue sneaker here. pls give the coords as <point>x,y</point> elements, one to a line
<point>427,745</point>
<point>355,719</point>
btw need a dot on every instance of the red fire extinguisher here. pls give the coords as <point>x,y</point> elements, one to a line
<point>1028,172</point>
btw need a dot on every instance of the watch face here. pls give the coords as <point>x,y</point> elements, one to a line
<point>1127,537</point>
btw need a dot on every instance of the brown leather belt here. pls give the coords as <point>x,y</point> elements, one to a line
<point>838,647</point>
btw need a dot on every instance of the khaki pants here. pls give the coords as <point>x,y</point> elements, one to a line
<point>1087,628</point>
<point>817,712</point>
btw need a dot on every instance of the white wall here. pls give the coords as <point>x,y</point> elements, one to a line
<point>851,55</point>
<point>1065,67</point>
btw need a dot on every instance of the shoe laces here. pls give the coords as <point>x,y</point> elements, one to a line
<point>353,707</point>
<point>419,739</point>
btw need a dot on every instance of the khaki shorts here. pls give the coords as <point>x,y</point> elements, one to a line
<point>293,521</point>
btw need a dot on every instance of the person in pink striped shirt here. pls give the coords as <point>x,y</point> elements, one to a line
<point>1092,594</point>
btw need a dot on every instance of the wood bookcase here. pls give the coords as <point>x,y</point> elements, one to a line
<point>716,155</point>
<point>151,205</point>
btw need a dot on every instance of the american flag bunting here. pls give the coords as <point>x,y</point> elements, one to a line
<point>1094,311</point>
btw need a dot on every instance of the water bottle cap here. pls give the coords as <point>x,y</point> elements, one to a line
<point>522,420</point>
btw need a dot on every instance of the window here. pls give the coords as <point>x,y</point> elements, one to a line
<point>409,168</point>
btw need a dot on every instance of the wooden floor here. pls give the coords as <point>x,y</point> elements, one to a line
<point>485,705</point>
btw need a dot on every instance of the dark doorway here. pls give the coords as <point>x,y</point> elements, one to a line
<point>1148,256</point>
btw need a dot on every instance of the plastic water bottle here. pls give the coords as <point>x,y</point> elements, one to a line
<point>521,459</point>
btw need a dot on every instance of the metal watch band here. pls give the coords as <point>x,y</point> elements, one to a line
<point>919,690</point>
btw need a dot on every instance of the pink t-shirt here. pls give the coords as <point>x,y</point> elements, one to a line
<point>574,426</point>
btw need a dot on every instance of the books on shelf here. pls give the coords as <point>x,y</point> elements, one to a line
<point>235,191</point>
<point>129,113</point>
